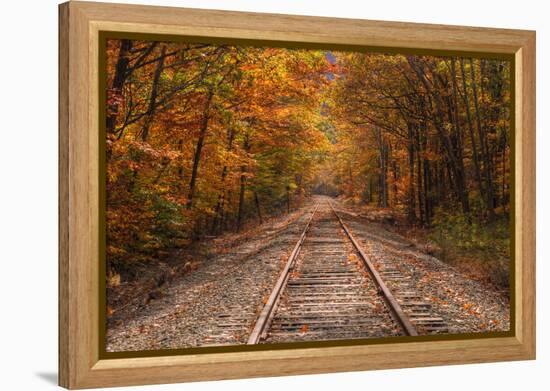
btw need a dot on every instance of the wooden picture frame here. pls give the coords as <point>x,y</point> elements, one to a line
<point>80,364</point>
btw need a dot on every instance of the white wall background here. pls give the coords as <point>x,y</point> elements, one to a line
<point>28,196</point>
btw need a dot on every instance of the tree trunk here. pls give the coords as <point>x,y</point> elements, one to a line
<point>153,97</point>
<point>241,198</point>
<point>221,198</point>
<point>383,187</point>
<point>471,128</point>
<point>395,170</point>
<point>180,167</point>
<point>420,191</point>
<point>411,194</point>
<point>484,150</point>
<point>368,189</point>
<point>288,199</point>
<point>198,149</point>
<point>461,172</point>
<point>224,219</point>
<point>118,81</point>
<point>427,184</point>
<point>246,147</point>
<point>258,210</point>
<point>371,189</point>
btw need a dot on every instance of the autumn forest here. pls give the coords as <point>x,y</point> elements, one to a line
<point>205,140</point>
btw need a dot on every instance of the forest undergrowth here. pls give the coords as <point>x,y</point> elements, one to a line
<point>479,250</point>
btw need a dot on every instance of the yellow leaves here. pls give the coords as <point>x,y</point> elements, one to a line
<point>115,250</point>
<point>352,259</point>
<point>113,279</point>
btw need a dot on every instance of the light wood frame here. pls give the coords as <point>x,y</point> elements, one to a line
<point>79,363</point>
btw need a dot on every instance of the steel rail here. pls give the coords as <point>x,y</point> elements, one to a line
<point>264,319</point>
<point>393,305</point>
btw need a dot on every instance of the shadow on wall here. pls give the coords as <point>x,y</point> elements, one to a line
<point>48,377</point>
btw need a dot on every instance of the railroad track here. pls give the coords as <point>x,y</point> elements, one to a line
<point>329,289</point>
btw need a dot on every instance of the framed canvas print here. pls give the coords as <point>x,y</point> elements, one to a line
<point>251,195</point>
